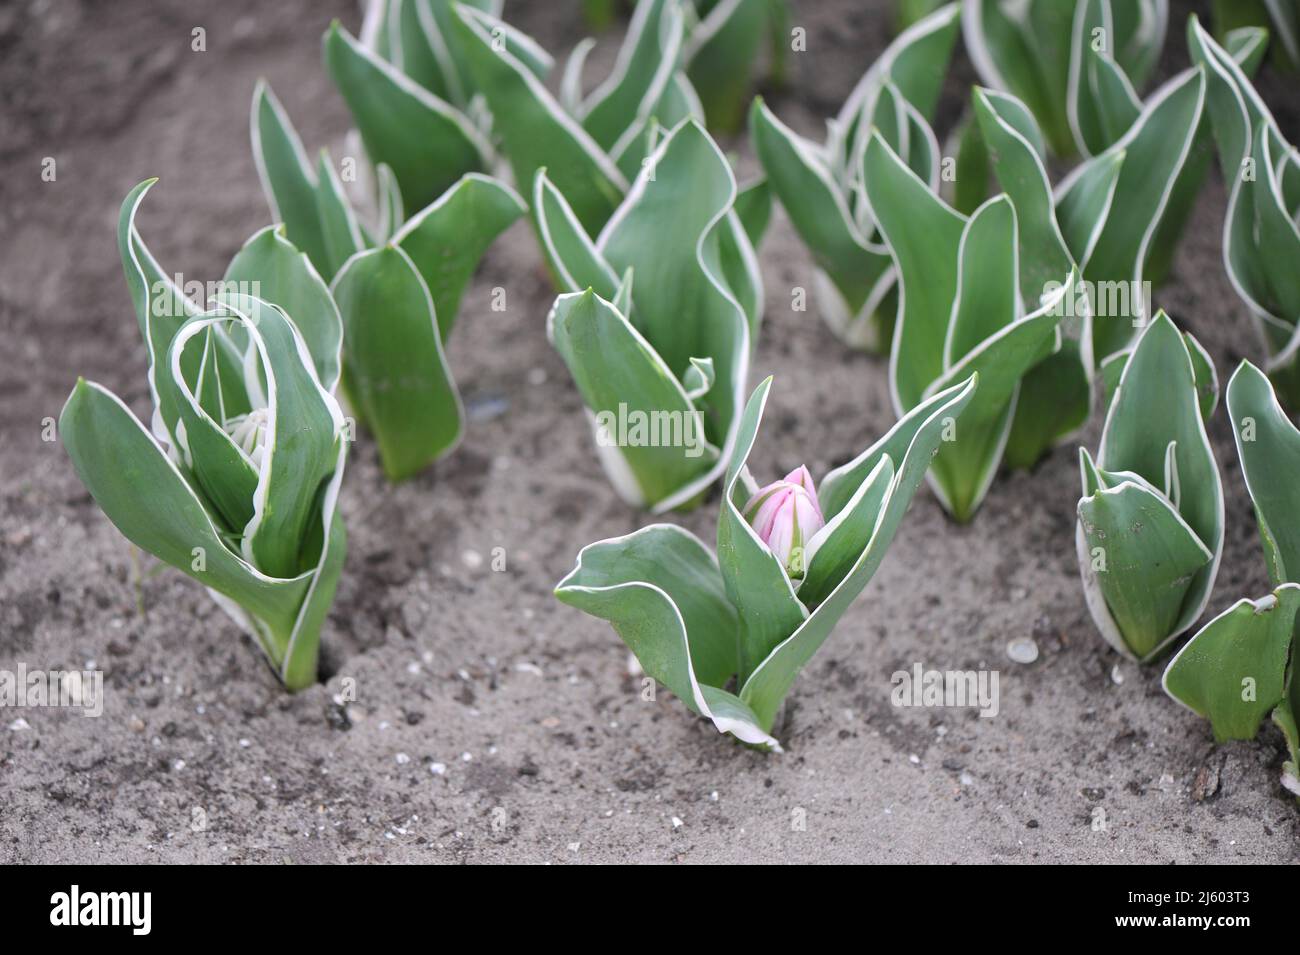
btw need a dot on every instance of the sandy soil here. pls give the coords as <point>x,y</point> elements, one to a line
<point>492,723</point>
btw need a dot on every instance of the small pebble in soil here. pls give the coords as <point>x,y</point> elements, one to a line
<point>19,725</point>
<point>471,559</point>
<point>438,769</point>
<point>1023,650</point>
<point>1116,675</point>
<point>402,759</point>
<point>485,407</point>
<point>677,823</point>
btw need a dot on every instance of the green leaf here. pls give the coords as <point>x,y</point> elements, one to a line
<point>967,462</point>
<point>575,262</point>
<point>832,551</point>
<point>1155,149</point>
<point>924,235</point>
<point>1233,671</point>
<point>226,476</point>
<point>1151,556</point>
<point>338,223</point>
<point>662,591</point>
<point>269,267</point>
<point>425,141</point>
<point>720,57</point>
<point>622,378</point>
<point>671,231</point>
<point>303,444</point>
<point>754,206</point>
<point>1020,172</point>
<point>643,72</point>
<point>756,581</point>
<point>1101,103</point>
<point>535,131</point>
<point>1155,426</point>
<point>394,370</point>
<point>286,174</point>
<point>817,208</point>
<point>161,309</point>
<point>1268,445</point>
<point>447,239</point>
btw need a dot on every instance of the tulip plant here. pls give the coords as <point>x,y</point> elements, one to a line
<point>657,320</point>
<point>1075,63</point>
<point>1241,665</point>
<point>790,560</point>
<point>591,146</point>
<point>821,186</point>
<point>1150,522</point>
<point>1261,240</point>
<point>238,484</point>
<point>411,94</point>
<point>398,285</point>
<point>960,311</point>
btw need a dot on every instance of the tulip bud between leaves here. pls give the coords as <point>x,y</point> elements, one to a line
<point>785,515</point>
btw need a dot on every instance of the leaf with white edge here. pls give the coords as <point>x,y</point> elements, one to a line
<point>1246,646</point>
<point>1083,203</point>
<point>924,236</point>
<point>287,177</point>
<point>817,208</point>
<point>447,239</point>
<point>427,142</point>
<point>671,230</point>
<point>622,378</point>
<point>575,262</point>
<point>338,223</point>
<point>270,267</point>
<point>720,54</point>
<point>304,431</point>
<point>1268,445</point>
<point>644,69</point>
<point>1155,150</point>
<point>1156,404</point>
<point>1101,103</point>
<point>394,370</point>
<point>226,475</point>
<point>964,468</point>
<point>1150,554</point>
<point>756,580</point>
<point>535,131</point>
<point>160,307</point>
<point>833,550</point>
<point>392,213</point>
<point>662,591</point>
<point>754,207</point>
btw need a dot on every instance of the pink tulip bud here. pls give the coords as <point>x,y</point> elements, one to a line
<point>785,515</point>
